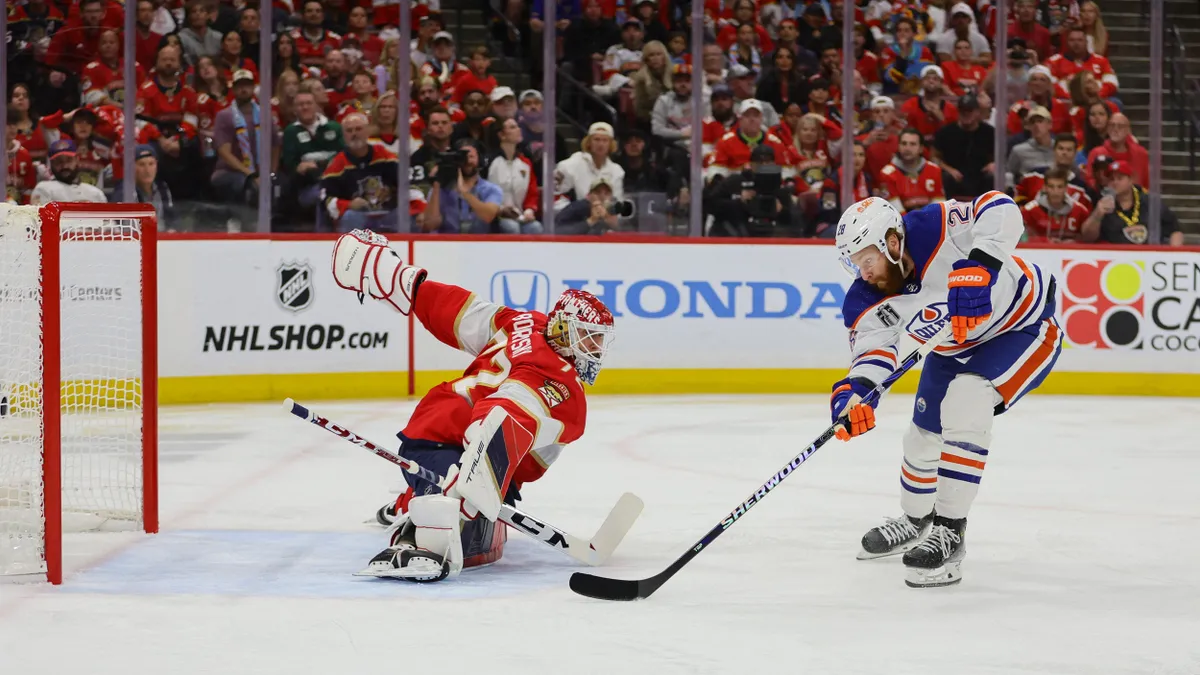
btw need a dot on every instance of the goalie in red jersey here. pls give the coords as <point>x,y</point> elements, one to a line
<point>500,425</point>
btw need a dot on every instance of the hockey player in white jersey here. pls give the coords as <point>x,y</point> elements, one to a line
<point>950,261</point>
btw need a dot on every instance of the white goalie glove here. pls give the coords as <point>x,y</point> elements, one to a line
<point>364,263</point>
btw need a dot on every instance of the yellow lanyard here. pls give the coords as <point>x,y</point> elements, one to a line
<point>1137,209</point>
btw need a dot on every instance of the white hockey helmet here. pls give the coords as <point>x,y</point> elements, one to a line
<point>867,223</point>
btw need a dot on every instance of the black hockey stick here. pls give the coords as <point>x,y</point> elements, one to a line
<point>594,551</point>
<point>603,588</point>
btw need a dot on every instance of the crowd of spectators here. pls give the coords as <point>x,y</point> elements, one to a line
<point>922,123</point>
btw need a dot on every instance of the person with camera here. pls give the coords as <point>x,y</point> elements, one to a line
<point>1019,62</point>
<point>460,201</point>
<point>1026,27</point>
<point>359,185</point>
<point>756,202</point>
<point>597,213</point>
<point>439,126</point>
<point>1122,215</point>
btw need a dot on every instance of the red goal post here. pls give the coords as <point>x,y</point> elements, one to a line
<point>78,377</point>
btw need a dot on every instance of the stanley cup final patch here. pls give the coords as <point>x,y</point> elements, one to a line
<point>294,281</point>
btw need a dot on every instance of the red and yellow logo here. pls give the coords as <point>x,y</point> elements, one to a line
<point>1103,303</point>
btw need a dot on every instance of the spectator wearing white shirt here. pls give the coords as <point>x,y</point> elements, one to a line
<point>575,175</point>
<point>513,172</point>
<point>962,27</point>
<point>64,186</point>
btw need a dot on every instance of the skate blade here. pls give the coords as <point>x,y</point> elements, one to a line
<point>419,573</point>
<point>946,575</point>
<point>864,554</point>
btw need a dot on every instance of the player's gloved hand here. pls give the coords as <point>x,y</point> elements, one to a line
<point>846,405</point>
<point>363,262</point>
<point>970,297</point>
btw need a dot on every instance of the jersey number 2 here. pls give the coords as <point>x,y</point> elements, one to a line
<point>492,377</point>
<point>958,214</point>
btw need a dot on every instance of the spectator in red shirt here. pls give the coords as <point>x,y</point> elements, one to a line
<point>1064,158</point>
<point>230,60</point>
<point>476,78</point>
<point>909,181</point>
<point>337,82</point>
<point>1040,93</point>
<point>931,110</point>
<point>1121,147</point>
<point>146,40</point>
<point>1036,36</point>
<point>963,73</point>
<point>76,45</point>
<point>103,80</point>
<point>371,45</point>
<point>743,14</point>
<point>311,41</point>
<point>443,67</point>
<point>1078,59</point>
<point>884,139</point>
<point>21,175</point>
<point>1054,215</point>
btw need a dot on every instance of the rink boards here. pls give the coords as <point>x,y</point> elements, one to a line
<point>261,318</point>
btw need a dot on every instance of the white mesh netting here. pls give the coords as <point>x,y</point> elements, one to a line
<point>101,366</point>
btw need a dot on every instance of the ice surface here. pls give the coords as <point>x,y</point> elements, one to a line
<point>1082,557</point>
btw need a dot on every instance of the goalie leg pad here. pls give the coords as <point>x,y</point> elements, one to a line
<point>495,446</point>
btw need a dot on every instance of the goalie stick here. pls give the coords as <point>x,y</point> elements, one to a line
<point>595,551</point>
<point>603,588</point>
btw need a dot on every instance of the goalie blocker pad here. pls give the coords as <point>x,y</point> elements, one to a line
<point>495,446</point>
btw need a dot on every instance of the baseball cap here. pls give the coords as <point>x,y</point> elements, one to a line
<point>1122,167</point>
<point>738,70</point>
<point>1102,161</point>
<point>443,35</point>
<point>632,22</point>
<point>962,8</point>
<point>501,93</point>
<point>143,151</point>
<point>681,69</point>
<point>883,102</point>
<point>933,69</point>
<point>63,146</point>
<point>968,102</point>
<point>530,93</point>
<point>814,9</point>
<point>1037,111</point>
<point>750,104</point>
<point>243,74</point>
<point>721,90</point>
<point>762,153</point>
<point>601,129</point>
<point>1041,70</point>
<point>600,180</point>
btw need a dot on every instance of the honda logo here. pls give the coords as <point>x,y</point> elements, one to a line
<point>526,290</point>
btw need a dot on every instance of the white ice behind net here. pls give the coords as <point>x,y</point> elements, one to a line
<point>101,357</point>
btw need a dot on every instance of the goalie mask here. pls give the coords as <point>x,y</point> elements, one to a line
<point>580,329</point>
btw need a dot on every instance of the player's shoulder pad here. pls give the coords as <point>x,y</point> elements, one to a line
<point>859,299</point>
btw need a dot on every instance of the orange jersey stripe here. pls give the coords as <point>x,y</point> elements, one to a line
<point>916,479</point>
<point>955,459</point>
<point>1012,387</point>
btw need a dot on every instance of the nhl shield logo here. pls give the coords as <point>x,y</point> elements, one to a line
<point>295,285</point>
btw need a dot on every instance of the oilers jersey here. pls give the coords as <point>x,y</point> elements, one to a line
<point>937,236</point>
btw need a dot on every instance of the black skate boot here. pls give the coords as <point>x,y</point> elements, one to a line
<point>403,560</point>
<point>386,515</point>
<point>894,536</point>
<point>937,560</point>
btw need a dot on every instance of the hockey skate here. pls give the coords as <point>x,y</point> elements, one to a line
<point>937,560</point>
<point>894,536</point>
<point>403,560</point>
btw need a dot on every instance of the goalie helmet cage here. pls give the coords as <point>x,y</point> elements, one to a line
<point>78,377</point>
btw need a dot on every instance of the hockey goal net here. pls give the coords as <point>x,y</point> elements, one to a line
<point>78,377</point>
